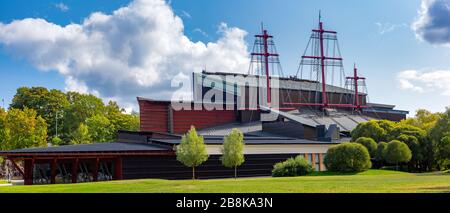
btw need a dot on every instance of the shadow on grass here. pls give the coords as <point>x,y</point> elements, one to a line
<point>329,173</point>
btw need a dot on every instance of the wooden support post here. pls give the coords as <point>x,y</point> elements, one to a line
<point>53,171</point>
<point>29,167</point>
<point>321,162</point>
<point>75,170</point>
<point>313,160</point>
<point>118,169</point>
<point>95,169</point>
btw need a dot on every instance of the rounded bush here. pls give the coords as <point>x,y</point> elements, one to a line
<point>347,157</point>
<point>297,166</point>
<point>380,149</point>
<point>369,143</point>
<point>397,152</point>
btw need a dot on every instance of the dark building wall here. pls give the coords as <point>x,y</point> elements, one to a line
<point>387,116</point>
<point>288,128</point>
<point>167,167</point>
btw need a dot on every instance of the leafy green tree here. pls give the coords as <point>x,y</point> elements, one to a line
<point>81,135</point>
<point>444,152</point>
<point>100,129</point>
<point>22,129</point>
<point>49,104</point>
<point>119,119</point>
<point>233,150</point>
<point>56,141</point>
<point>369,129</point>
<point>82,107</point>
<point>369,143</point>
<point>4,132</point>
<point>423,119</point>
<point>413,144</point>
<point>192,150</point>
<point>440,130</point>
<point>397,152</point>
<point>380,149</point>
<point>347,157</point>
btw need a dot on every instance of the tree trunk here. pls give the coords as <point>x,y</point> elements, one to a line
<point>235,172</point>
<point>193,173</point>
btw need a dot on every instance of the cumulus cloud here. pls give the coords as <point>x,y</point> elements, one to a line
<point>433,22</point>
<point>135,51</point>
<point>431,81</point>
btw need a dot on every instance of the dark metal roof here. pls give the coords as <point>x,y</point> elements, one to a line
<point>96,147</point>
<point>254,141</point>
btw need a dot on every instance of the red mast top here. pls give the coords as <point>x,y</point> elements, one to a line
<point>265,54</point>
<point>355,79</point>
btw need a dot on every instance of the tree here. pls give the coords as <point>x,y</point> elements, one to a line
<point>49,104</point>
<point>413,144</point>
<point>444,153</point>
<point>22,129</point>
<point>192,150</point>
<point>369,143</point>
<point>440,130</point>
<point>347,157</point>
<point>380,149</point>
<point>397,152</point>
<point>370,129</point>
<point>100,129</point>
<point>81,135</point>
<point>82,107</point>
<point>423,119</point>
<point>119,119</point>
<point>233,150</point>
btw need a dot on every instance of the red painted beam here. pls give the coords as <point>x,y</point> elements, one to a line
<point>118,169</point>
<point>75,170</point>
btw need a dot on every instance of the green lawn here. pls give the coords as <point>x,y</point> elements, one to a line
<point>3,182</point>
<point>369,181</point>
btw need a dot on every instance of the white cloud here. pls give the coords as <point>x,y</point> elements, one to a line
<point>63,7</point>
<point>198,30</point>
<point>388,27</point>
<point>437,81</point>
<point>433,22</point>
<point>135,51</point>
<point>185,14</point>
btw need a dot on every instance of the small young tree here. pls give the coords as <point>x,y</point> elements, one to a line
<point>397,152</point>
<point>192,150</point>
<point>233,150</point>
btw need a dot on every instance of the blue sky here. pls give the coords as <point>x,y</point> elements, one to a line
<point>377,35</point>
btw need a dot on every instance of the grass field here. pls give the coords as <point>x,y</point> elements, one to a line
<point>369,181</point>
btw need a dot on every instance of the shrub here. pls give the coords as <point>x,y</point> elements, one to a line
<point>380,149</point>
<point>297,166</point>
<point>397,152</point>
<point>370,144</point>
<point>347,157</point>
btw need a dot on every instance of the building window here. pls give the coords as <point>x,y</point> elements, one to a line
<point>317,162</point>
<point>310,158</point>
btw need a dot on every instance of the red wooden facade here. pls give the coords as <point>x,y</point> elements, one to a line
<point>158,116</point>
